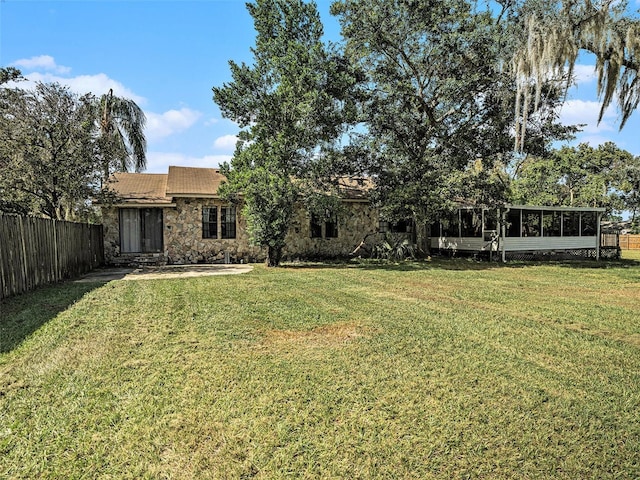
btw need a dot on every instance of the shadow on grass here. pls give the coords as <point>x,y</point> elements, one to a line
<point>459,264</point>
<point>23,314</point>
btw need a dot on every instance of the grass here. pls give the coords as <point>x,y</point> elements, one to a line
<point>452,369</point>
<point>631,255</point>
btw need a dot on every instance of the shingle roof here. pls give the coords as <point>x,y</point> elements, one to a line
<point>193,182</point>
<point>160,188</point>
<point>353,188</point>
<point>149,188</point>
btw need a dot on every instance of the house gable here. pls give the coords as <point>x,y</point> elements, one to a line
<point>194,182</point>
<point>143,189</point>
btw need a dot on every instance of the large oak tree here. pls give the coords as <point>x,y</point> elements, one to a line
<point>453,85</point>
<point>439,105</point>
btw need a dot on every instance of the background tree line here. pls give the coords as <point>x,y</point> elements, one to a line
<point>582,176</point>
<point>57,148</point>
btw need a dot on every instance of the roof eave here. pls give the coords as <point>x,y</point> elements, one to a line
<point>557,208</point>
<point>193,195</point>
<point>142,205</point>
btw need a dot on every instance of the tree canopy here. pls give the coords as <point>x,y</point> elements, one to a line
<point>46,138</point>
<point>292,105</point>
<point>57,147</point>
<point>581,176</point>
<point>551,35</point>
<point>439,104</point>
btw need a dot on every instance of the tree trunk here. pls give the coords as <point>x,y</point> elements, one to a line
<point>274,255</point>
<point>421,238</point>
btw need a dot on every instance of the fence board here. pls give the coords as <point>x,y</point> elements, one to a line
<point>630,242</point>
<point>36,251</point>
<point>609,240</point>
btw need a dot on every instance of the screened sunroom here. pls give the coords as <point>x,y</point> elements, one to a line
<point>520,228</point>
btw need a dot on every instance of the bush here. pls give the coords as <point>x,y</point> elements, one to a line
<point>391,248</point>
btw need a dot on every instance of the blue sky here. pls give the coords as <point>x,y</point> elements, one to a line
<point>167,55</point>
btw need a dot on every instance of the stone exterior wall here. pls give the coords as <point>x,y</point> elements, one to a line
<point>183,242</point>
<point>357,220</point>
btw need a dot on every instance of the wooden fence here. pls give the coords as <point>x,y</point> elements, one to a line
<point>36,251</point>
<point>630,242</point>
<point>609,240</point>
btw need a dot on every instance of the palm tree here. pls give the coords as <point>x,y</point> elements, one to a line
<point>121,142</point>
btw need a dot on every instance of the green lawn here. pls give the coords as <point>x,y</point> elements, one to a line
<point>452,369</point>
<point>631,255</point>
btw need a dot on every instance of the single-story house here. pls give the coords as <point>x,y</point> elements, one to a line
<point>180,218</point>
<point>522,231</point>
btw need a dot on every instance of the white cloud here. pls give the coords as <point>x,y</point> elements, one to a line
<point>575,112</point>
<point>160,125</point>
<point>226,143</point>
<point>594,140</point>
<point>41,62</point>
<point>98,84</point>
<point>158,162</point>
<point>584,73</point>
<point>43,68</point>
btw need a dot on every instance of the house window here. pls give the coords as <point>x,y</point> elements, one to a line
<point>327,225</point>
<point>140,230</point>
<point>401,226</point>
<point>316,227</point>
<point>228,222</point>
<point>331,228</point>
<point>223,216</point>
<point>210,222</point>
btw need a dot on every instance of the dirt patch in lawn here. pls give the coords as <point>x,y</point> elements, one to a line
<point>323,336</point>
